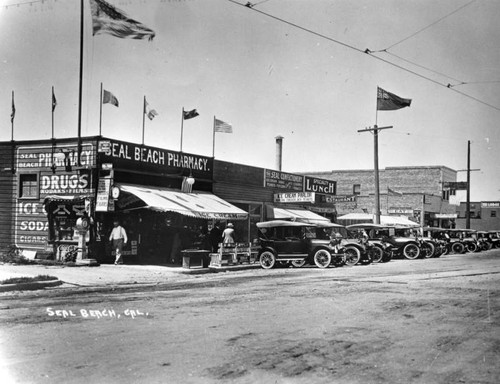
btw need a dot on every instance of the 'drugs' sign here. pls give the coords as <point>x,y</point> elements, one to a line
<point>65,184</point>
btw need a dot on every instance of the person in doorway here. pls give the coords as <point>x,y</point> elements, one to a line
<point>215,237</point>
<point>228,234</point>
<point>118,238</point>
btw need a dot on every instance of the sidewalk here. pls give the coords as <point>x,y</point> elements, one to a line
<point>110,275</point>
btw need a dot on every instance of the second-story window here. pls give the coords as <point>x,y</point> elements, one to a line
<point>356,189</point>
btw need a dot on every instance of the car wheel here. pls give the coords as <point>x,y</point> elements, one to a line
<point>411,251</point>
<point>458,248</point>
<point>377,254</point>
<point>267,260</point>
<point>352,255</point>
<point>471,247</point>
<point>298,263</point>
<point>427,250</point>
<point>322,258</point>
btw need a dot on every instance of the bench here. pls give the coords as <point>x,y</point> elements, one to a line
<point>194,258</point>
<point>231,254</point>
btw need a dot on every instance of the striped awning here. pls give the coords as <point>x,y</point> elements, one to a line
<point>195,204</point>
<point>302,215</point>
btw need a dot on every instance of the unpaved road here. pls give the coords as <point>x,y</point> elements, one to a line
<point>422,321</point>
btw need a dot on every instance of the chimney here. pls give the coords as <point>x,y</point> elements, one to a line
<point>279,152</point>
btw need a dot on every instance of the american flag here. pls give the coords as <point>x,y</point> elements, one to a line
<point>108,97</point>
<point>221,126</point>
<point>150,113</point>
<point>108,19</point>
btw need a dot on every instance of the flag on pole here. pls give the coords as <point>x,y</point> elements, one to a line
<point>190,114</point>
<point>111,20</point>
<point>387,101</point>
<point>13,114</point>
<point>54,101</point>
<point>108,97</point>
<point>221,126</point>
<point>393,192</point>
<point>150,112</point>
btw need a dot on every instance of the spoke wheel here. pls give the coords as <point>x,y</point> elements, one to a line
<point>428,250</point>
<point>322,258</point>
<point>267,260</point>
<point>298,263</point>
<point>471,247</point>
<point>458,248</point>
<point>352,255</point>
<point>411,251</point>
<point>377,254</point>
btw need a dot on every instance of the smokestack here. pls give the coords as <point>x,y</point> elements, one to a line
<point>279,152</point>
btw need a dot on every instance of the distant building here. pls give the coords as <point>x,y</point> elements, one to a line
<point>418,193</point>
<point>484,215</point>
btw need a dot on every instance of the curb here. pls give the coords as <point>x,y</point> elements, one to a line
<point>32,286</point>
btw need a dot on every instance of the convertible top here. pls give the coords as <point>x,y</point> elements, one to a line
<point>283,223</point>
<point>366,225</point>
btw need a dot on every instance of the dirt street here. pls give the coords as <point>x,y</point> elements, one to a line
<point>421,321</point>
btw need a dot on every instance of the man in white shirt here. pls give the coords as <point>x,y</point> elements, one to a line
<point>118,237</point>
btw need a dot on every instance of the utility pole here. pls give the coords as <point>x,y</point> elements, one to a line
<point>467,202</point>
<point>375,130</point>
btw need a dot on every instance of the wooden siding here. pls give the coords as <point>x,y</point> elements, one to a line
<point>7,188</point>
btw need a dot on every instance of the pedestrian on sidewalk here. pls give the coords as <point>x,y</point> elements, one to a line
<point>118,238</point>
<point>228,234</point>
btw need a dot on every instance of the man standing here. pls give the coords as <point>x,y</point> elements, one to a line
<point>118,237</point>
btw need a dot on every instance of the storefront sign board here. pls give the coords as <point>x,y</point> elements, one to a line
<point>320,186</point>
<point>283,180</point>
<point>294,197</point>
<point>150,159</point>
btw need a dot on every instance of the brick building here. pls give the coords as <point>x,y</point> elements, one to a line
<point>415,192</point>
<point>484,215</point>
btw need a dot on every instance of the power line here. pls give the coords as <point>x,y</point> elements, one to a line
<point>430,25</point>
<point>419,65</point>
<point>369,52</point>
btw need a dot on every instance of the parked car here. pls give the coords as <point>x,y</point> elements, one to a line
<point>401,242</point>
<point>484,239</point>
<point>296,243</point>
<point>467,237</point>
<point>495,238</point>
<point>438,239</point>
<point>374,234</point>
<point>357,250</point>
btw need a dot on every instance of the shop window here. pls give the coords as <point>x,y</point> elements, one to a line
<point>493,214</point>
<point>356,189</point>
<point>28,186</point>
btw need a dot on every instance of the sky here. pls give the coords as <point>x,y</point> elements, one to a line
<point>266,78</point>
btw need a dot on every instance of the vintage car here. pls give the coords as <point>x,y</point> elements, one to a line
<point>296,243</point>
<point>373,234</point>
<point>466,237</point>
<point>436,241</point>
<point>495,238</point>
<point>357,249</point>
<point>484,240</point>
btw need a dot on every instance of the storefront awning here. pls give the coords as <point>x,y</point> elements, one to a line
<point>358,217</point>
<point>196,204</point>
<point>444,215</point>
<point>303,215</point>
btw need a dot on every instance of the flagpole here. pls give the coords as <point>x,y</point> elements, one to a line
<point>53,138</point>
<point>80,94</point>
<point>100,114</point>
<point>182,126</point>
<point>213,146</point>
<point>12,165</point>
<point>12,118</point>
<point>143,118</point>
